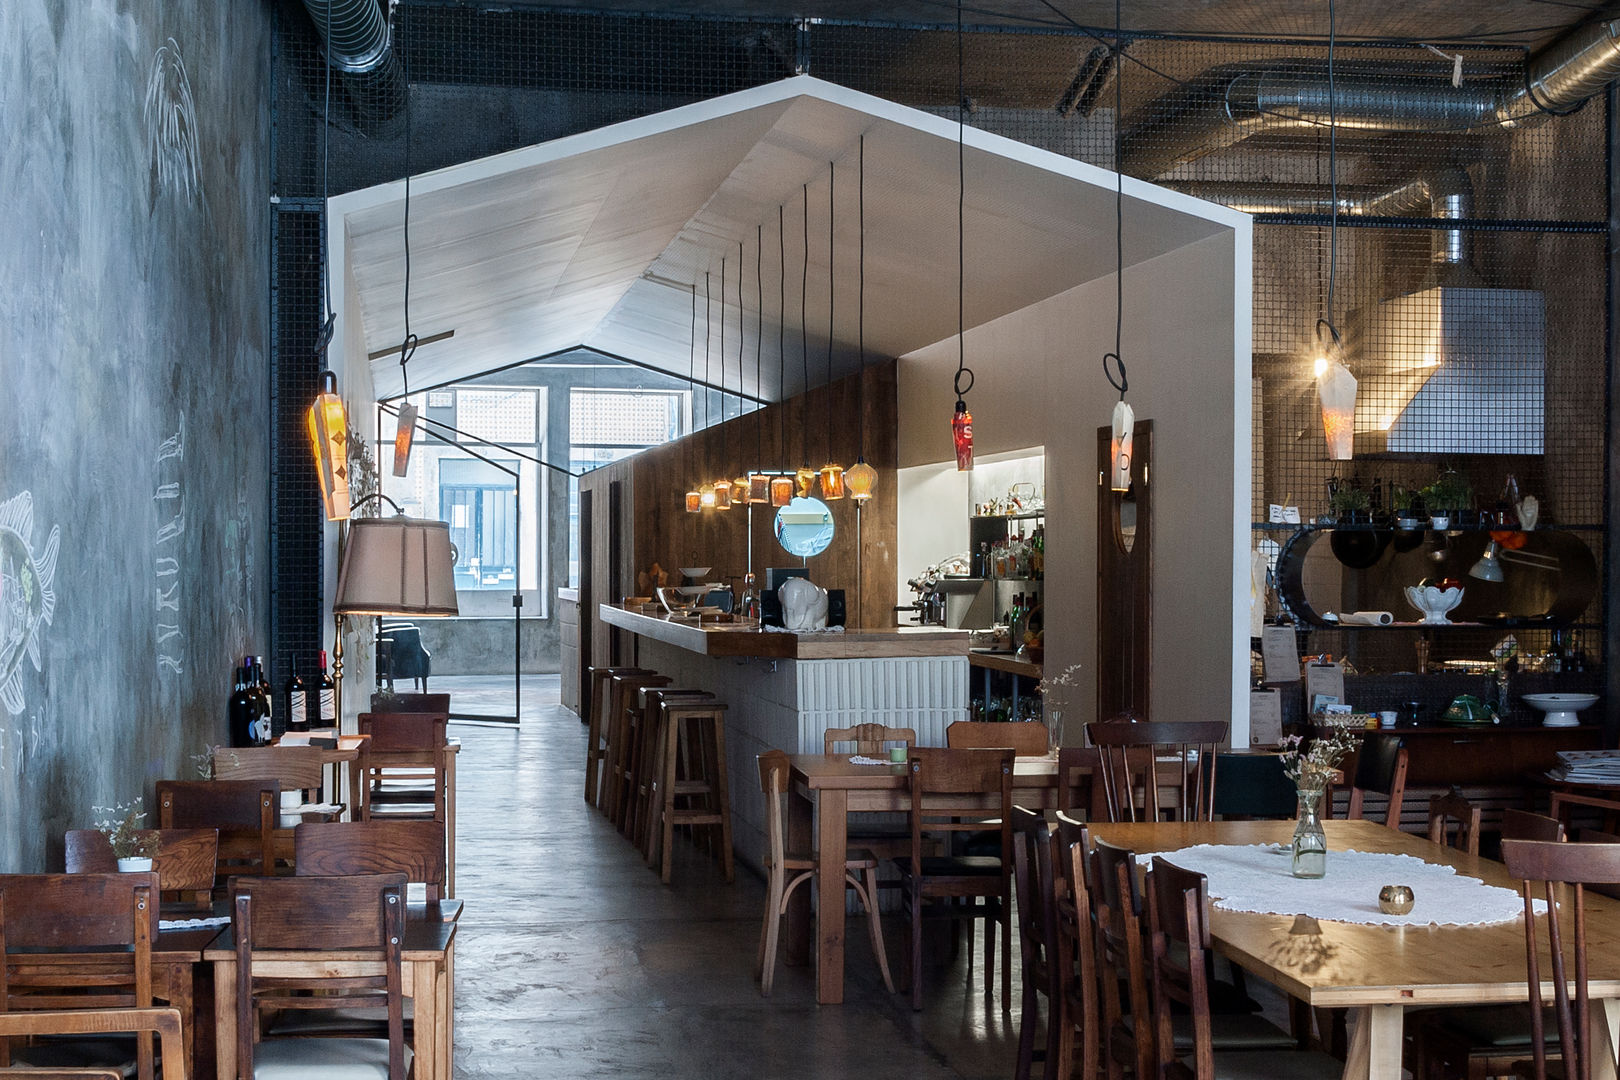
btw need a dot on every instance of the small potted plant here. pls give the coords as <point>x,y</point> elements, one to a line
<point>1403,504</point>
<point>1351,505</point>
<point>1448,497</point>
<point>131,845</point>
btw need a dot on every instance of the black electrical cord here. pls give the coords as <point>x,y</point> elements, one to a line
<point>1326,322</point>
<point>759,339</point>
<point>860,304</point>
<point>804,336</point>
<point>1117,378</point>
<point>323,337</point>
<point>961,239</point>
<point>407,346</point>
<point>781,331</point>
<point>832,168</point>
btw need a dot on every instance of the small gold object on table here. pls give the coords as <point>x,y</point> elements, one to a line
<point>1396,899</point>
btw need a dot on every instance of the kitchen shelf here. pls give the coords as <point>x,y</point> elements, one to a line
<point>1280,526</point>
<point>1030,516</point>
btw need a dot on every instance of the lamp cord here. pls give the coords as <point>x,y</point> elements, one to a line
<point>323,338</point>
<point>706,323</point>
<point>860,305</point>
<point>961,230</point>
<point>759,340</point>
<point>691,366</point>
<point>1333,171</point>
<point>781,329</point>
<point>407,346</point>
<point>832,219</point>
<point>1116,376</point>
<point>804,335</point>
<point>722,352</point>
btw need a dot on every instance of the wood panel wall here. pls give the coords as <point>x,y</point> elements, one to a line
<point>653,485</point>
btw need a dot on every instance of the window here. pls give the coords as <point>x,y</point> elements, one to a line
<point>609,425</point>
<point>480,503</point>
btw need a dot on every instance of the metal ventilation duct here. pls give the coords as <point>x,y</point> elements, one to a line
<point>1227,104</point>
<point>355,39</point>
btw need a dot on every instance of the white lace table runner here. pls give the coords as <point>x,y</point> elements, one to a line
<point>1259,879</point>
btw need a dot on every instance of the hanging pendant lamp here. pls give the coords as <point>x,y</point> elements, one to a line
<point>804,477</point>
<point>694,498</point>
<point>1122,431</point>
<point>832,473</point>
<point>962,420</point>
<point>328,427</point>
<point>1335,385</point>
<point>759,484</point>
<point>722,486</point>
<point>860,478</point>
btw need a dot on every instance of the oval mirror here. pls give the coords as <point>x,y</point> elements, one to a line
<point>804,527</point>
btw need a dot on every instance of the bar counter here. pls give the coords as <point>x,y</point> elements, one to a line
<point>744,638</point>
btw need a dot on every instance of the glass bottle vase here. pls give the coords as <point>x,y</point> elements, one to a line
<point>1310,842</point>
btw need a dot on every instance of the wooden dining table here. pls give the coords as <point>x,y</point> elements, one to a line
<point>428,977</point>
<point>1378,972</point>
<point>831,785</point>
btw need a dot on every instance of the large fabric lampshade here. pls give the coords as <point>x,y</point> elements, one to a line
<point>397,566</point>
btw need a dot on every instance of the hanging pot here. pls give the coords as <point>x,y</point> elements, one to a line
<point>1359,548</point>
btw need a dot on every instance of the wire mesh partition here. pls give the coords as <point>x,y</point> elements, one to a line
<point>1471,258</point>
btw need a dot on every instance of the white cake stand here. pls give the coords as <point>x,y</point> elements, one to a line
<point>1560,708</point>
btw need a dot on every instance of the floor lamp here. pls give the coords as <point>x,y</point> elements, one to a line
<point>397,566</point>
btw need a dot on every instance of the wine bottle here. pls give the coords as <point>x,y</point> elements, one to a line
<point>259,690</point>
<point>328,698</point>
<point>241,710</point>
<point>297,710</point>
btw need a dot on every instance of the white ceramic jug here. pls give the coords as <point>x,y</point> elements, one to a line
<point>804,606</point>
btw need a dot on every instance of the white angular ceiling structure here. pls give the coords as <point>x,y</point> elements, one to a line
<point>599,239</point>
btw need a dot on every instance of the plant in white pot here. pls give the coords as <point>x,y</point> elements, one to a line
<point>131,845</point>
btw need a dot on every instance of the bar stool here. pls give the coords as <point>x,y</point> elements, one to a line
<point>621,694</point>
<point>646,765</point>
<point>700,727</point>
<point>595,713</point>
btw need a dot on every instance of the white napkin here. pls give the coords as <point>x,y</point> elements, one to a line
<point>192,924</point>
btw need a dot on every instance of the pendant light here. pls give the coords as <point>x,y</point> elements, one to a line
<point>741,491</point>
<point>694,498</point>
<point>804,478</point>
<point>759,485</point>
<point>1122,432</point>
<point>962,420</point>
<point>781,486</point>
<point>832,474</point>
<point>1335,385</point>
<point>861,478</point>
<point>722,486</point>
<point>706,491</point>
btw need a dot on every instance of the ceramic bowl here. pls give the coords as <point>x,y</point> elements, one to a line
<point>1560,709</point>
<point>1433,602</point>
<point>695,573</point>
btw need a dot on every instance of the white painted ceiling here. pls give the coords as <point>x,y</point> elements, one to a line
<point>598,240</point>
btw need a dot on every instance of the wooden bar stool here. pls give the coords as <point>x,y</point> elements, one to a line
<point>701,727</point>
<point>647,765</point>
<point>595,714</point>
<point>621,694</point>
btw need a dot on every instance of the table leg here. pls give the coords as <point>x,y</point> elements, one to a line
<point>1605,1016</point>
<point>225,1019</point>
<point>834,836</point>
<point>425,998</point>
<point>447,1014</point>
<point>450,825</point>
<point>1375,1043</point>
<point>800,833</point>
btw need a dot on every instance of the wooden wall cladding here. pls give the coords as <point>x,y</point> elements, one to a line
<point>781,436</point>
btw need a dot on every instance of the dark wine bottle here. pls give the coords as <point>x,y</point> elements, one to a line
<point>328,697</point>
<point>297,698</point>
<point>241,711</point>
<point>259,690</point>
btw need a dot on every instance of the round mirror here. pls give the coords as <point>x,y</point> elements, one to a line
<point>804,527</point>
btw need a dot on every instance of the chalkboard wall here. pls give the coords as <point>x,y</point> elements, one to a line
<point>134,305</point>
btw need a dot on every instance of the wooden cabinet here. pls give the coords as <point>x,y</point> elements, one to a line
<point>568,632</point>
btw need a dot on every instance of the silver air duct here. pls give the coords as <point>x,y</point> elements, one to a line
<point>1227,104</point>
<point>355,38</point>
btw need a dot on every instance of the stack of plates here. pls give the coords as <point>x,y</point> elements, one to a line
<point>1589,767</point>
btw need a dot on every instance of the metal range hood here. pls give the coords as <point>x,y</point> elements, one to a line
<point>1451,370</point>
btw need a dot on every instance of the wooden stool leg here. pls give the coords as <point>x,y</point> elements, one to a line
<point>657,797</point>
<point>672,735</point>
<point>719,792</point>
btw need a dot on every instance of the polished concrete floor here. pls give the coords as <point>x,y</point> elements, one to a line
<point>573,960</point>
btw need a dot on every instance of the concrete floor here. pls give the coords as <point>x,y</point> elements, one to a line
<point>573,960</point>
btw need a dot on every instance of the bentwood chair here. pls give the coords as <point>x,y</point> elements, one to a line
<point>83,940</point>
<point>1184,1026</point>
<point>283,916</point>
<point>185,861</point>
<point>1038,947</point>
<point>1560,872</point>
<point>1454,822</point>
<point>89,1024</point>
<point>859,870</point>
<point>244,811</point>
<point>1131,753</point>
<point>1380,770</point>
<point>959,887</point>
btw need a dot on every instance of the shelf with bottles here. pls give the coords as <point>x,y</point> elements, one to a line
<point>1388,526</point>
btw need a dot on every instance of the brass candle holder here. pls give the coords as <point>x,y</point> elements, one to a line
<point>1396,899</point>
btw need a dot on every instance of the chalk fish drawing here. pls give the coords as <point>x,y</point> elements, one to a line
<point>171,124</point>
<point>27,602</point>
<point>166,593</point>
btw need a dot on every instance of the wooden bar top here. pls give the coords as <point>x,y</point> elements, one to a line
<point>743,639</point>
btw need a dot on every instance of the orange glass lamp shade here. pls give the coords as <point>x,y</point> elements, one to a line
<point>781,490</point>
<point>1120,445</point>
<point>1336,388</point>
<point>859,480</point>
<point>832,481</point>
<point>694,502</point>
<point>962,436</point>
<point>722,495</point>
<point>329,439</point>
<point>706,496</point>
<point>759,488</point>
<point>741,493</point>
<point>804,479</point>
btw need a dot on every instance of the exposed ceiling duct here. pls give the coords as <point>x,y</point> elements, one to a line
<point>1227,104</point>
<point>355,40</point>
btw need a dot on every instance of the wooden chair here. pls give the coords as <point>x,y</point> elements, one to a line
<point>1038,948</point>
<point>185,862</point>
<point>345,848</point>
<point>1076,953</point>
<point>431,703</point>
<point>405,773</point>
<point>1026,738</point>
<point>1481,1041</point>
<point>79,941</point>
<point>298,768</point>
<point>1132,750</point>
<point>983,881</point>
<point>1178,960</point>
<point>1077,789</point>
<point>243,811</point>
<point>1116,911</point>
<point>1380,769</point>
<point>1253,787</point>
<point>164,1023</point>
<point>859,870</point>
<point>1454,822</point>
<point>272,919</point>
<point>871,740</point>
<point>1562,871</point>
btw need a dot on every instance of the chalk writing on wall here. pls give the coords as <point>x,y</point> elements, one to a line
<point>170,639</point>
<point>171,125</point>
<point>27,601</point>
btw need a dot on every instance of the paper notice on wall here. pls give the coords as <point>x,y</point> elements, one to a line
<point>1280,654</point>
<point>1323,682</point>
<point>1265,718</point>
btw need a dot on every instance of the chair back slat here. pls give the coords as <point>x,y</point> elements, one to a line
<point>295,767</point>
<point>1027,739</point>
<point>185,859</point>
<point>873,740</point>
<point>414,848</point>
<point>1454,822</point>
<point>427,703</point>
<point>404,731</point>
<point>243,811</point>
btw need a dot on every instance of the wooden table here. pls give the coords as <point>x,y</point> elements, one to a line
<point>342,757</point>
<point>830,782</point>
<point>1378,971</point>
<point>428,973</point>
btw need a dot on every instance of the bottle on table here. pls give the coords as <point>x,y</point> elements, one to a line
<point>297,698</point>
<point>327,698</point>
<point>241,709</point>
<point>259,691</point>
